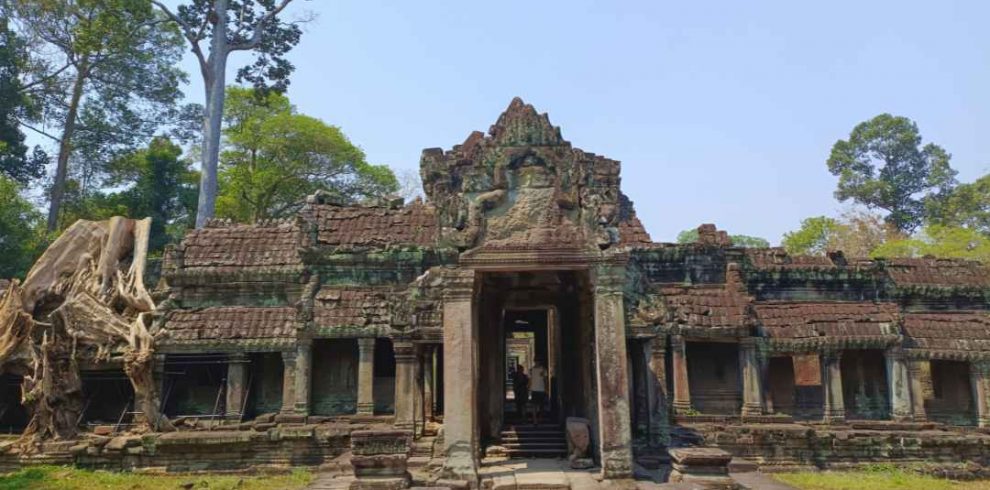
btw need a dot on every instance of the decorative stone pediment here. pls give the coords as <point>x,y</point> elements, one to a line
<point>523,190</point>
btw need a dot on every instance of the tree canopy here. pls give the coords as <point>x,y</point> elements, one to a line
<point>274,157</point>
<point>883,165</point>
<point>16,162</point>
<point>21,235</point>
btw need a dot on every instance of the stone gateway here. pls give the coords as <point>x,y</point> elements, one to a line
<point>396,328</point>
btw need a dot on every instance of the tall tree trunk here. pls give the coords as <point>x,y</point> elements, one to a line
<point>215,82</point>
<point>65,145</point>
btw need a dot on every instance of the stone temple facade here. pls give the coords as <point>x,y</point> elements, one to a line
<point>525,249</point>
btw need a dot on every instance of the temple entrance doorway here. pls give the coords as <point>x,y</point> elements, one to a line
<point>530,316</point>
<point>527,343</point>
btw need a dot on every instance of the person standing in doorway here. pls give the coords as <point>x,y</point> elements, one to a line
<point>538,390</point>
<point>520,390</point>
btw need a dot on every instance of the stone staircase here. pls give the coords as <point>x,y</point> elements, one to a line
<point>528,441</point>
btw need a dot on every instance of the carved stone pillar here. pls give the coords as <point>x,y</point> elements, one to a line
<point>898,385</point>
<point>916,375</point>
<point>237,378</point>
<point>418,391</point>
<point>835,408</point>
<point>612,364</point>
<point>405,385</point>
<point>304,366</point>
<point>366,376</point>
<point>288,382</point>
<point>752,384</point>
<point>979,379</point>
<point>659,403</point>
<point>682,390</point>
<point>460,371</point>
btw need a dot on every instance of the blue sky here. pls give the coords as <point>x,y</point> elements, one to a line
<point>720,112</point>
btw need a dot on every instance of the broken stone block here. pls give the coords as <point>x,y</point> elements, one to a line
<point>703,465</point>
<point>103,430</point>
<point>380,458</point>
<point>578,441</point>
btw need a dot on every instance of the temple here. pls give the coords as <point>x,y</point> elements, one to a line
<point>525,250</point>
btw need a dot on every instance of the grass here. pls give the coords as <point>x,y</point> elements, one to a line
<point>68,478</point>
<point>878,477</point>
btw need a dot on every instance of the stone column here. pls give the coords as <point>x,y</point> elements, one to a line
<point>460,372</point>
<point>288,382</point>
<point>898,385</point>
<point>418,391</point>
<point>916,375</point>
<point>612,364</point>
<point>659,403</point>
<point>682,390</point>
<point>428,398</point>
<point>366,376</point>
<point>405,384</point>
<point>237,378</point>
<point>835,408</point>
<point>752,385</point>
<point>304,366</point>
<point>979,379</point>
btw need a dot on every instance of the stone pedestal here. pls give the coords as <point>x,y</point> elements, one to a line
<point>288,382</point>
<point>835,407</point>
<point>379,459</point>
<point>898,385</point>
<point>237,378</point>
<point>615,447</point>
<point>979,378</point>
<point>366,376</point>
<point>460,368</point>
<point>405,385</point>
<point>706,466</point>
<point>682,390</point>
<point>918,372</point>
<point>304,365</point>
<point>752,388</point>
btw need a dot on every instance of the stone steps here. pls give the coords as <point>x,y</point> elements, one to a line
<point>542,441</point>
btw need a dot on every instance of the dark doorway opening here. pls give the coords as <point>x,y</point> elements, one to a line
<point>108,398</point>
<point>527,341</point>
<point>951,400</point>
<point>714,377</point>
<point>265,396</point>
<point>864,384</point>
<point>13,416</point>
<point>334,377</point>
<point>384,377</point>
<point>195,386</point>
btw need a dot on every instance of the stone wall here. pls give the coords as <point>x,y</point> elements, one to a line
<point>780,447</point>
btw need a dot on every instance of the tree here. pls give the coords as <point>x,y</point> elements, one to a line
<point>857,233</point>
<point>101,60</point>
<point>275,157</point>
<point>939,241</point>
<point>15,161</point>
<point>255,26</point>
<point>966,205</point>
<point>883,166</point>
<point>151,182</point>
<point>745,241</point>
<point>815,237</point>
<point>21,235</point>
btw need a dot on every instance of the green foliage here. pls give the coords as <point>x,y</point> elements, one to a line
<point>814,236</point>
<point>21,235</point>
<point>939,241</point>
<point>67,478</point>
<point>745,241</point>
<point>884,166</point>
<point>275,157</point>
<point>965,205</point>
<point>151,182</point>
<point>15,105</point>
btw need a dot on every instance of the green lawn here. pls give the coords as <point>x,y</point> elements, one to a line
<point>65,478</point>
<point>877,478</point>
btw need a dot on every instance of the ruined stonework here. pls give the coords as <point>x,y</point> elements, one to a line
<point>276,341</point>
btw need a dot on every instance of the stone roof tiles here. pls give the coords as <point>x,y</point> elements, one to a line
<point>796,320</point>
<point>366,226</point>
<point>908,272</point>
<point>240,245</point>
<point>948,331</point>
<point>705,306</point>
<point>231,323</point>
